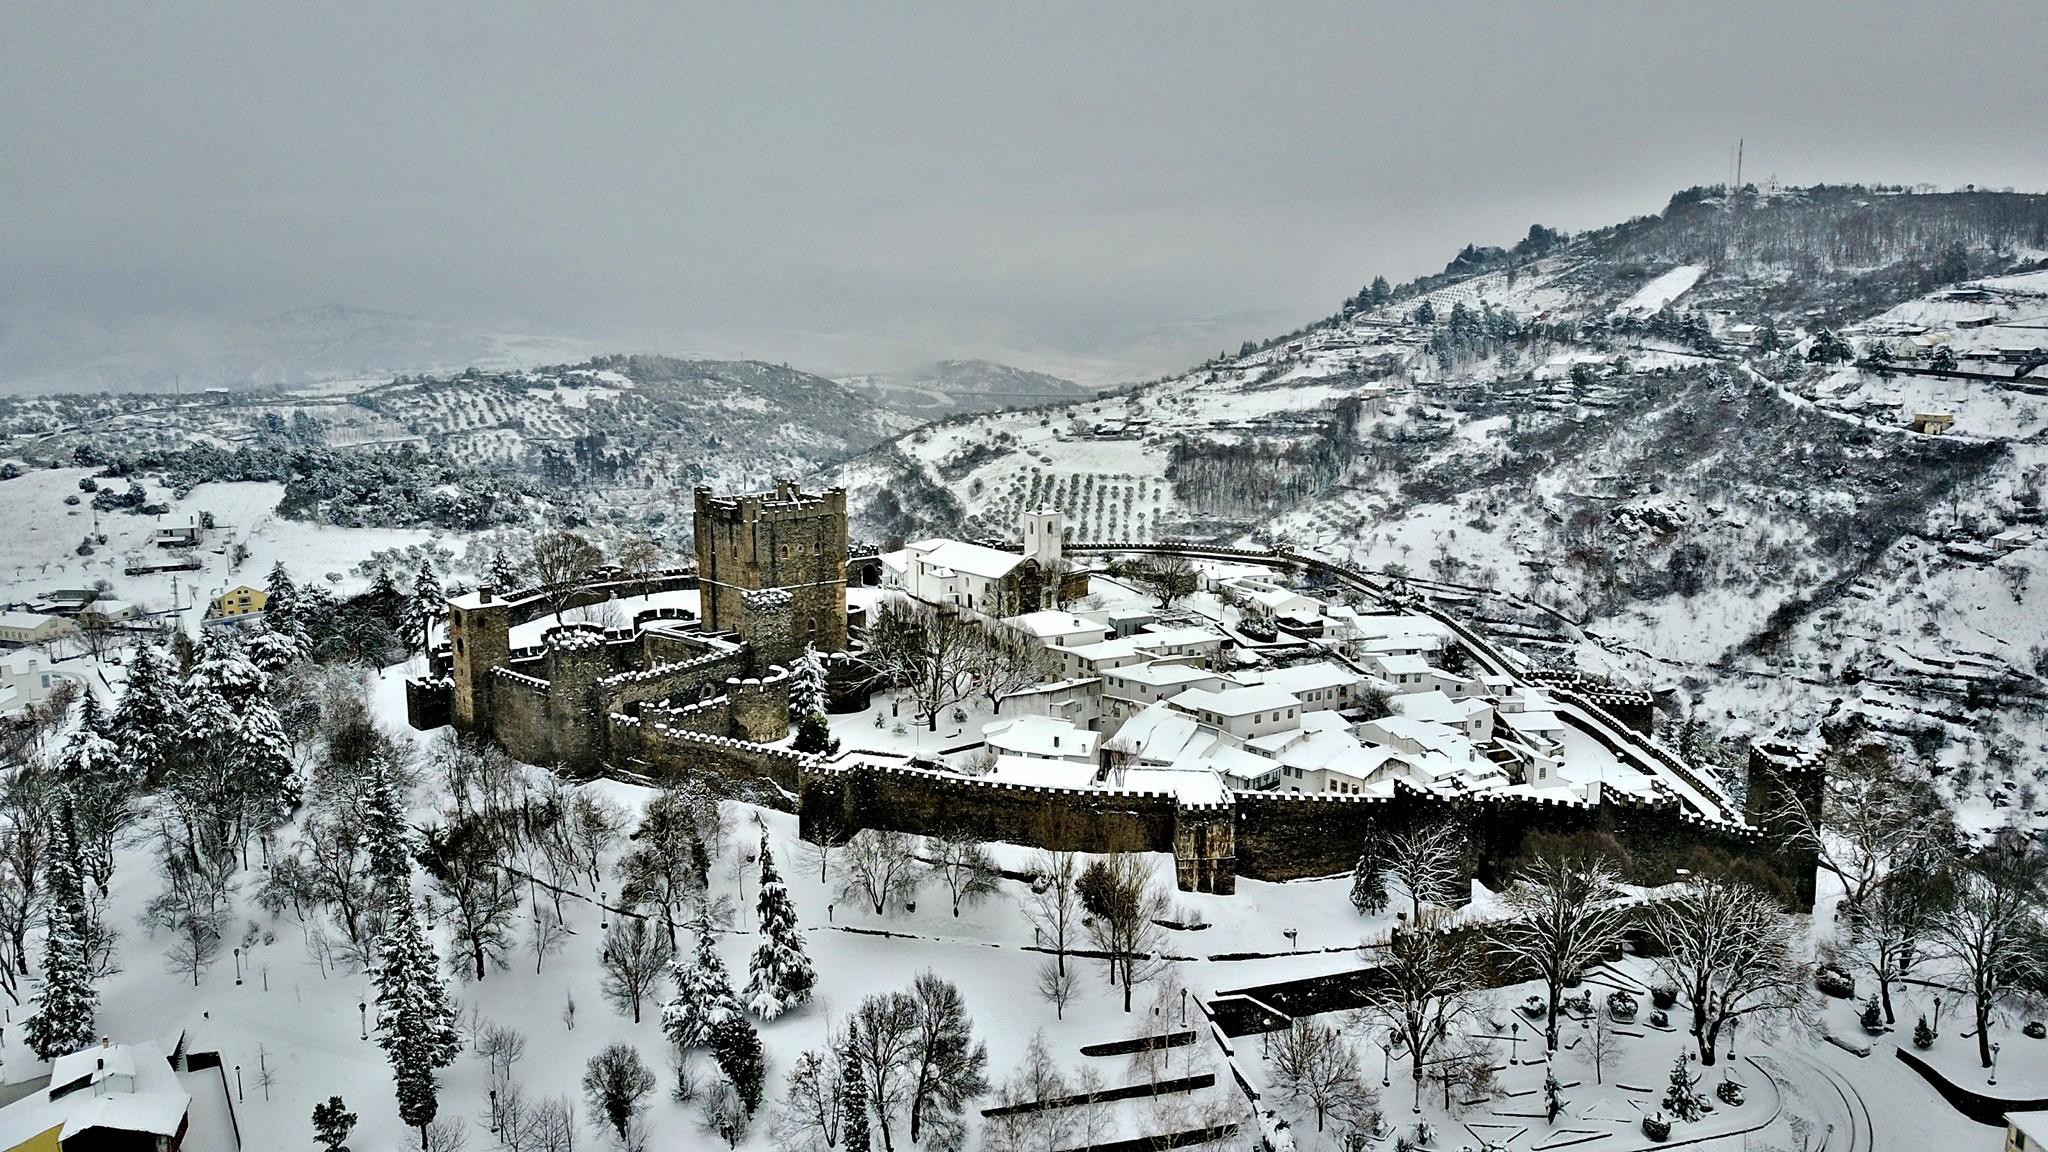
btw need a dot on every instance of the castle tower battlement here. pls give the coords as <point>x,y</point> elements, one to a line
<point>787,540</point>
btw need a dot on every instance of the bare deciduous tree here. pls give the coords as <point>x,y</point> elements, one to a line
<point>1876,811</point>
<point>1167,575</point>
<point>1315,1064</point>
<point>880,1036</point>
<point>1562,917</point>
<point>927,652</point>
<point>562,562</point>
<point>1428,977</point>
<point>1428,862</point>
<point>808,1117</point>
<point>1728,948</point>
<point>1992,928</point>
<point>1054,907</point>
<point>1127,902</point>
<point>1019,1128</point>
<point>880,867</point>
<point>964,866</point>
<point>633,959</point>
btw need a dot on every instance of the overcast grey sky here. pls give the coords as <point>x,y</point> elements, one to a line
<point>1102,188</point>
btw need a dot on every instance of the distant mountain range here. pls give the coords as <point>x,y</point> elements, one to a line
<point>291,349</point>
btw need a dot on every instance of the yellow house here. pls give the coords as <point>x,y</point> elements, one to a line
<point>241,600</point>
<point>118,1096</point>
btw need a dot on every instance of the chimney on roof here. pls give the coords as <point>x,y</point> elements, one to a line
<point>483,594</point>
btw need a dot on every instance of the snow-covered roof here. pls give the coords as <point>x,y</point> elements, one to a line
<point>1051,624</point>
<point>960,556</point>
<point>1402,665</point>
<point>1125,647</point>
<point>1539,723</point>
<point>1242,701</point>
<point>1434,705</point>
<point>25,620</point>
<point>1160,734</point>
<point>137,1092</point>
<point>1301,678</point>
<point>2032,1125</point>
<point>1161,673</point>
<point>1042,736</point>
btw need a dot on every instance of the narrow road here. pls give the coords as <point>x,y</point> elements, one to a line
<point>1835,1100</point>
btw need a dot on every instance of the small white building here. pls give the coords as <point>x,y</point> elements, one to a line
<point>1051,627</point>
<point>26,680</point>
<point>1472,716</point>
<point>1403,673</point>
<point>986,580</point>
<point>1127,689</point>
<point>1243,713</point>
<point>1041,738</point>
<point>25,628</point>
<point>1323,684</point>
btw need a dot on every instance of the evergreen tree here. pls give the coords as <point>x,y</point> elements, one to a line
<point>63,1022</point>
<point>814,735</point>
<point>1923,1036</point>
<point>504,574</point>
<point>1680,1100</point>
<point>385,602</point>
<point>149,720</point>
<point>415,1020</point>
<point>853,1101</point>
<point>807,685</point>
<point>737,1048</point>
<point>282,610</point>
<point>426,610</point>
<point>1378,292</point>
<point>332,1122</point>
<point>780,976</point>
<point>1553,1094</point>
<point>1425,314</point>
<point>1369,884</point>
<point>704,997</point>
<point>387,838</point>
<point>272,650</point>
<point>97,778</point>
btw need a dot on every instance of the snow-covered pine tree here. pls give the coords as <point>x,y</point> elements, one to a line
<point>387,838</point>
<point>385,601</point>
<point>415,1020</point>
<point>737,1048</point>
<point>65,1003</point>
<point>504,574</point>
<point>273,651</point>
<point>1680,1099</point>
<point>1369,884</point>
<point>780,976</point>
<point>149,720</point>
<point>263,756</point>
<point>1553,1095</point>
<point>704,996</point>
<point>853,1101</point>
<point>427,608</point>
<point>96,776</point>
<point>807,685</point>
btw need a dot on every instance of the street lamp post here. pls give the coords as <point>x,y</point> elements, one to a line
<point>1937,1013</point>
<point>363,1011</point>
<point>1514,1042</point>
<point>1386,1065</point>
<point>1183,1006</point>
<point>1732,1026</point>
<point>238,967</point>
<point>494,1111</point>
<point>1994,1063</point>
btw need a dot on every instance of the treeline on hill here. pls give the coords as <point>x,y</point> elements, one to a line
<point>402,487</point>
<point>1840,227</point>
<point>1253,477</point>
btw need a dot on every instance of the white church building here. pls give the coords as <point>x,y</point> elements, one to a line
<point>989,581</point>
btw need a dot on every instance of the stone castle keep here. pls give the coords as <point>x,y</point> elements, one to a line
<point>667,694</point>
<point>771,579</point>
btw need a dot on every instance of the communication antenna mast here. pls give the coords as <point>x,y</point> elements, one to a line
<point>1738,163</point>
